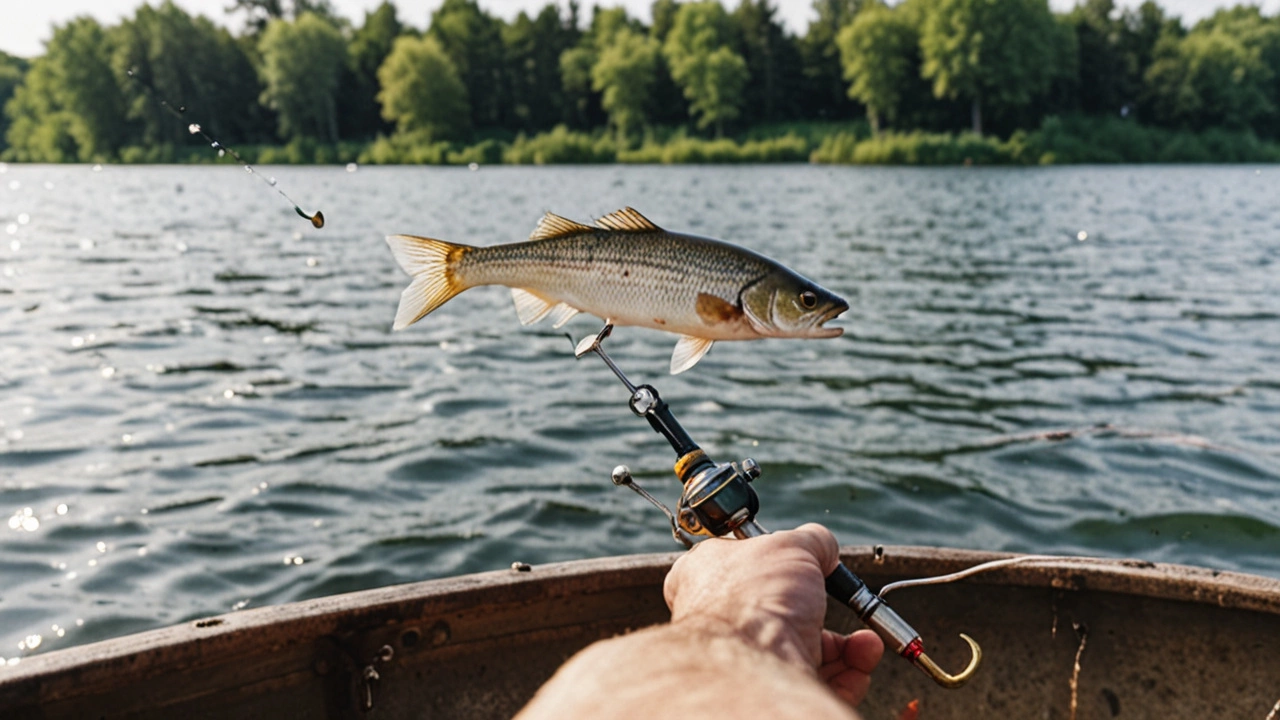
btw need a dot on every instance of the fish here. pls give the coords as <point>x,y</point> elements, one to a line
<point>629,272</point>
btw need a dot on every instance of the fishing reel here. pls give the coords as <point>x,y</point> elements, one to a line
<point>718,500</point>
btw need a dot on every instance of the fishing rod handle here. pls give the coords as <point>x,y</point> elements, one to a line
<point>849,589</point>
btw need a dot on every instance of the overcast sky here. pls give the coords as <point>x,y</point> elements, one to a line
<point>26,23</point>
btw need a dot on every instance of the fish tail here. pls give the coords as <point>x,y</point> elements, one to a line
<point>433,265</point>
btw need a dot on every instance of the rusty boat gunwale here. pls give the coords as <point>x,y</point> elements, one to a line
<point>479,645</point>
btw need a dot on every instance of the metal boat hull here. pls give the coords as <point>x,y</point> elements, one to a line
<point>1161,641</point>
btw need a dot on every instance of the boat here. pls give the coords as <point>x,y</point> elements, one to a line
<point>1089,638</point>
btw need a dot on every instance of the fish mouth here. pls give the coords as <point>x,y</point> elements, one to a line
<point>825,332</point>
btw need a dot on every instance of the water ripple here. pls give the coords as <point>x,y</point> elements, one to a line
<point>200,413</point>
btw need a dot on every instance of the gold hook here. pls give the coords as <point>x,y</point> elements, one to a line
<point>941,677</point>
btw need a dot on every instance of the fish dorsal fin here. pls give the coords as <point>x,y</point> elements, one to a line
<point>553,226</point>
<point>530,307</point>
<point>626,220</point>
<point>688,352</point>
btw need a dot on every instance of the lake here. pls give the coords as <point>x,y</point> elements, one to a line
<point>203,407</point>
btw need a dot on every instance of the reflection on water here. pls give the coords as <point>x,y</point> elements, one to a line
<point>202,407</point>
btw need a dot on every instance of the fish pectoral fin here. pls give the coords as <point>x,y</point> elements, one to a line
<point>688,352</point>
<point>713,310</point>
<point>562,314</point>
<point>553,226</point>
<point>530,307</point>
<point>627,220</point>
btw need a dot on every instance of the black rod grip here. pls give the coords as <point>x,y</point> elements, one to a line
<point>661,419</point>
<point>843,585</point>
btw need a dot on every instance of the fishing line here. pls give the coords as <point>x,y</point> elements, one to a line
<point>179,112</point>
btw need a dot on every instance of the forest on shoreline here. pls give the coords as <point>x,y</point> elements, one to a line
<point>915,82</point>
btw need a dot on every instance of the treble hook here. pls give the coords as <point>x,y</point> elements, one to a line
<point>940,676</point>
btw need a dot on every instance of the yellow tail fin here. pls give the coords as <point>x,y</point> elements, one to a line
<point>431,263</point>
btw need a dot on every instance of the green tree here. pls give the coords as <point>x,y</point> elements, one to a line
<point>358,115</point>
<point>1108,79</point>
<point>826,95</point>
<point>704,63</point>
<point>877,50</point>
<point>301,64</point>
<point>191,63</point>
<point>773,62</point>
<point>421,91</point>
<point>1209,79</point>
<point>260,13</point>
<point>473,41</point>
<point>990,51</point>
<point>625,73</point>
<point>533,50</point>
<point>581,100</point>
<point>1260,34</point>
<point>69,106</point>
<point>12,70</point>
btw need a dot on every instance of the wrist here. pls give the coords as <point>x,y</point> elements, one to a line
<point>763,632</point>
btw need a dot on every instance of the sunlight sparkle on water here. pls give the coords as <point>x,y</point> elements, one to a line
<point>1082,236</point>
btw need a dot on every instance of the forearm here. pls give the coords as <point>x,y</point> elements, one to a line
<point>683,670</point>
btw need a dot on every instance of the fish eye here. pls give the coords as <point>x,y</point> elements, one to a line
<point>809,299</point>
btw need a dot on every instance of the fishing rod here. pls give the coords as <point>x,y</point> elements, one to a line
<point>718,500</point>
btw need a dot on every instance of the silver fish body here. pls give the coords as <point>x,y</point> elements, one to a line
<point>628,271</point>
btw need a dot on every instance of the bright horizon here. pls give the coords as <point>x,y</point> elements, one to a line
<point>28,25</point>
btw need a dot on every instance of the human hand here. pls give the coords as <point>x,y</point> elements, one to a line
<point>770,591</point>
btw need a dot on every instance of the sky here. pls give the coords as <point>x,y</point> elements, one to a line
<point>27,23</point>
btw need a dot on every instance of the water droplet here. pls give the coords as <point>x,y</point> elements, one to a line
<point>142,552</point>
<point>182,108</point>
<point>77,342</point>
<point>312,262</point>
<point>61,632</point>
<point>86,244</point>
<point>72,575</point>
<point>30,524</point>
<point>193,128</point>
<point>1082,236</point>
<point>181,247</point>
<point>248,169</point>
<point>108,372</point>
<point>473,166</point>
<point>11,228</point>
<point>126,439</point>
<point>15,245</point>
<point>23,218</point>
<point>271,182</point>
<point>33,641</point>
<point>222,153</point>
<point>228,393</point>
<point>61,509</point>
<point>352,167</point>
<point>97,168</point>
<point>101,546</point>
<point>79,622</point>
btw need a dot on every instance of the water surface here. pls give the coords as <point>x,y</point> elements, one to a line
<point>203,408</point>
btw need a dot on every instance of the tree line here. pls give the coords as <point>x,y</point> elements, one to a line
<point>299,72</point>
